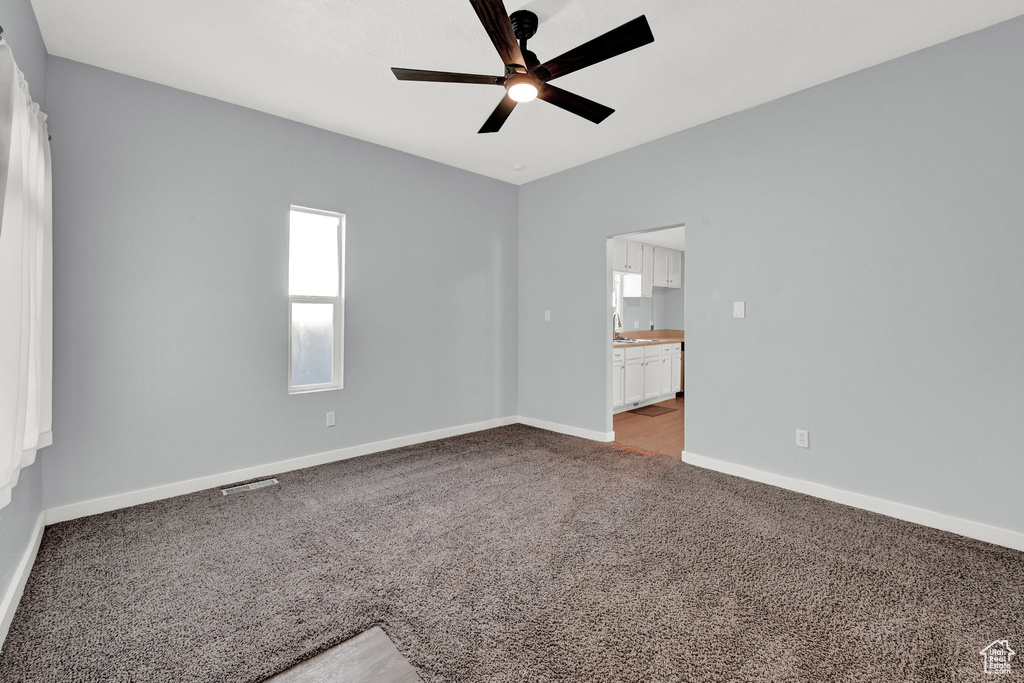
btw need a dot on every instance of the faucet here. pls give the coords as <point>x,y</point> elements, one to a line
<point>616,326</point>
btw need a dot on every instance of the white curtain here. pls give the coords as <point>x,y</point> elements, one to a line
<point>26,280</point>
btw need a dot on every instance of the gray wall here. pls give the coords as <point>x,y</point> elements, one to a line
<point>873,226</point>
<point>638,311</point>
<point>22,33</point>
<point>170,309</point>
<point>18,518</point>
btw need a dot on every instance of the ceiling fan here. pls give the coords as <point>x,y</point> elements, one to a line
<point>525,77</point>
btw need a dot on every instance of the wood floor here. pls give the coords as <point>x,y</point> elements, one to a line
<point>662,434</point>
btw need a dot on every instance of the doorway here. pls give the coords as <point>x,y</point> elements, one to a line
<point>647,310</point>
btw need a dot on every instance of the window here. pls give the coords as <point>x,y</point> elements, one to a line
<point>617,294</point>
<point>316,299</point>
<point>632,285</point>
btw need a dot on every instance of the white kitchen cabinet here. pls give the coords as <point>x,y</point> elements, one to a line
<point>634,257</point>
<point>627,256</point>
<point>668,267</point>
<point>644,374</point>
<point>661,267</point>
<point>618,377</point>
<point>647,273</point>
<point>677,371</point>
<point>675,268</point>
<point>666,372</point>
<point>633,379</point>
<point>620,250</point>
<point>652,371</point>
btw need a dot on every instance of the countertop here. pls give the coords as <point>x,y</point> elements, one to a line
<point>656,337</point>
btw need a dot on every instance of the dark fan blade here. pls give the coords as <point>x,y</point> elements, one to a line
<point>495,20</point>
<point>497,119</point>
<point>629,36</point>
<point>581,106</point>
<point>445,77</point>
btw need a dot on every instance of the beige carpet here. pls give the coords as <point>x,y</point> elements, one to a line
<point>514,555</point>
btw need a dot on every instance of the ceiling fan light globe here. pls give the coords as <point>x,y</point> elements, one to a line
<point>522,88</point>
<point>522,92</point>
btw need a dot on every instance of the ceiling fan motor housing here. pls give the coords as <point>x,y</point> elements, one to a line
<point>524,24</point>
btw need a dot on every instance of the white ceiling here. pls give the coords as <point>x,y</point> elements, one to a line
<point>673,238</point>
<point>327,63</point>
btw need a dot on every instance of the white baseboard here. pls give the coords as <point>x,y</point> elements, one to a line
<point>566,429</point>
<point>10,600</point>
<point>908,513</point>
<point>123,500</point>
<point>642,404</point>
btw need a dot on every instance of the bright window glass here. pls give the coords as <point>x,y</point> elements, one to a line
<point>312,344</point>
<point>632,285</point>
<point>313,254</point>
<point>316,301</point>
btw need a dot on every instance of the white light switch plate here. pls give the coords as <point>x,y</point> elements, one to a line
<point>547,316</point>
<point>739,309</point>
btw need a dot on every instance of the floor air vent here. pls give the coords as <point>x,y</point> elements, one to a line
<point>249,487</point>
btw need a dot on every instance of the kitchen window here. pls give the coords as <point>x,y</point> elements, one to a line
<point>316,299</point>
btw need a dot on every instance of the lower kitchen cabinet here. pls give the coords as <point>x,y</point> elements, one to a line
<point>666,368</point>
<point>644,374</point>
<point>652,372</point>
<point>633,377</point>
<point>618,377</point>
<point>677,371</point>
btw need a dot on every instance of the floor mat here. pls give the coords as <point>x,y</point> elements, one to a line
<point>652,411</point>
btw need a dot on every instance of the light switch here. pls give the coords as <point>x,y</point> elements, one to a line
<point>739,309</point>
<point>547,316</point>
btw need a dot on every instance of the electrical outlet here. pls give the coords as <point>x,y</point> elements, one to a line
<point>803,438</point>
<point>330,419</point>
<point>547,316</point>
<point>739,309</point>
<point>636,324</point>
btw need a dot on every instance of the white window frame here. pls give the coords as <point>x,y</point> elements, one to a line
<point>617,298</point>
<point>338,374</point>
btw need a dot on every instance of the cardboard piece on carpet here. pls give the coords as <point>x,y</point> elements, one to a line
<point>370,657</point>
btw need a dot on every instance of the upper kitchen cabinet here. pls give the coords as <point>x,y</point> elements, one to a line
<point>627,256</point>
<point>668,267</point>
<point>619,252</point>
<point>634,257</point>
<point>661,266</point>
<point>675,268</point>
<point>647,275</point>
